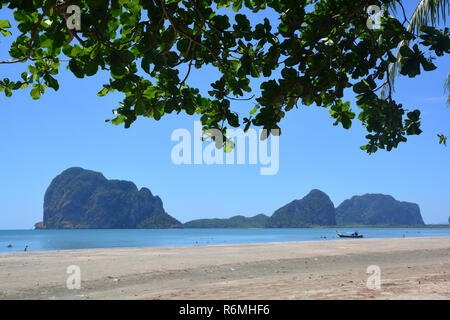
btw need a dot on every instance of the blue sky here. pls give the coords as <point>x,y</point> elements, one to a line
<point>41,138</point>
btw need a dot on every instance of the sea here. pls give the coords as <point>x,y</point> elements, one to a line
<point>46,240</point>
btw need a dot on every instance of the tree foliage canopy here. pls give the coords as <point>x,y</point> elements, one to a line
<point>317,49</point>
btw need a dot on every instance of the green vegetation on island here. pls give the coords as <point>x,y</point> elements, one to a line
<point>258,221</point>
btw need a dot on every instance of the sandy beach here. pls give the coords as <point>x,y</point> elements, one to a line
<point>411,268</point>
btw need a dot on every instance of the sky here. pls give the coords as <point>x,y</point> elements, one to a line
<point>41,138</point>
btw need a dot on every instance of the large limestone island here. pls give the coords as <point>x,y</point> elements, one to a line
<point>79,198</point>
<point>315,209</point>
<point>378,209</point>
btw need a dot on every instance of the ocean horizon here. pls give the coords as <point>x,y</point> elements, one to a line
<point>73,239</point>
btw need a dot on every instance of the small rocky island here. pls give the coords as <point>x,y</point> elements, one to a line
<point>84,199</point>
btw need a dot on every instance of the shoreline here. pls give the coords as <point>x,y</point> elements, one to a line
<point>214,245</point>
<point>223,245</point>
<point>411,268</point>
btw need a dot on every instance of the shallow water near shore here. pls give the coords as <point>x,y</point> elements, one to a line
<point>45,240</point>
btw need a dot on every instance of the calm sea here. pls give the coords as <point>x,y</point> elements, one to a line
<point>43,240</point>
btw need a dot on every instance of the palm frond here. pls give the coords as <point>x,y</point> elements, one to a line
<point>447,88</point>
<point>427,12</point>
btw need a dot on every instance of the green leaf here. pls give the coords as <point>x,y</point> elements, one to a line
<point>140,107</point>
<point>76,68</point>
<point>51,82</point>
<point>237,5</point>
<point>442,139</point>
<point>35,93</point>
<point>233,119</point>
<point>118,120</point>
<point>32,69</point>
<point>253,111</point>
<point>5,32</point>
<point>428,65</point>
<point>5,24</point>
<point>8,92</point>
<point>229,146</point>
<point>103,92</point>
<point>361,87</point>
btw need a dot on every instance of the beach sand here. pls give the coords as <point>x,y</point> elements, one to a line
<point>411,268</point>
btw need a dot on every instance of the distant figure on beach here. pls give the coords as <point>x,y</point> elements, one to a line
<point>10,245</point>
<point>26,248</point>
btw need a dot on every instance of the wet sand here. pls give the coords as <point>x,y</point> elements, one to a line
<point>411,268</point>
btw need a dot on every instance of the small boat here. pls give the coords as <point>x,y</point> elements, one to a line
<point>349,235</point>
